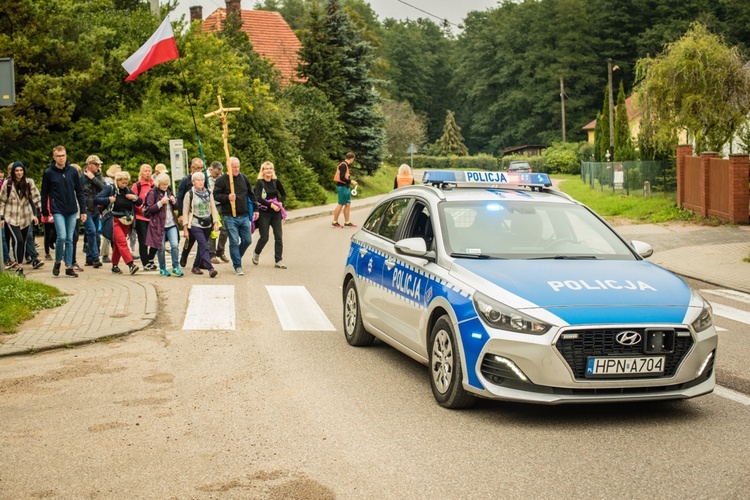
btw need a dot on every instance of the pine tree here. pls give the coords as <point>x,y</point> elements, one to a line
<point>337,60</point>
<point>452,142</point>
<point>624,149</point>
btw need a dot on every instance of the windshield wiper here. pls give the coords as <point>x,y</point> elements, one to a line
<point>470,255</point>
<point>566,257</point>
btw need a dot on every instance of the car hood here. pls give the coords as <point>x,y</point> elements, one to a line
<point>583,291</point>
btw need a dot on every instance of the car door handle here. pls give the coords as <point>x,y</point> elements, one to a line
<point>390,263</point>
<point>362,252</point>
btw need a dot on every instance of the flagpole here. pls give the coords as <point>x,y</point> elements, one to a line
<point>195,125</point>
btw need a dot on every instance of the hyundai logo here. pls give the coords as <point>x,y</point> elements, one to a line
<point>628,338</point>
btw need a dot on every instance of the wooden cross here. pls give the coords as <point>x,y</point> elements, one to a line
<point>222,114</point>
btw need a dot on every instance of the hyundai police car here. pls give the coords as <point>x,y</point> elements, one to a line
<point>509,290</point>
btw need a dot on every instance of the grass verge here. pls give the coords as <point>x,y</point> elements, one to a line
<point>21,297</point>
<point>661,207</point>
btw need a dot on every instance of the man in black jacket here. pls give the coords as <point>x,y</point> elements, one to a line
<point>61,186</point>
<point>238,225</point>
<point>93,182</point>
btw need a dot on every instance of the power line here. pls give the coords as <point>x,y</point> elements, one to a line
<point>444,20</point>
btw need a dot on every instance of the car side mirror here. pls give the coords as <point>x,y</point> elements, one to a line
<point>641,248</point>
<point>415,247</point>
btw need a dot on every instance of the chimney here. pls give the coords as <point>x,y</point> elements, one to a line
<point>234,6</point>
<point>196,13</point>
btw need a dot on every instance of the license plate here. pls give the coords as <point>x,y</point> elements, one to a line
<point>614,366</point>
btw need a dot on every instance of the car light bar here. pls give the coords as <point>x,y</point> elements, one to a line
<point>486,178</point>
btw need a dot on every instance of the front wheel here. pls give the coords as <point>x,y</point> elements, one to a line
<point>354,330</point>
<point>446,374</point>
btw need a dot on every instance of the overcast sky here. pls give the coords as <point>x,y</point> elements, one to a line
<point>452,10</point>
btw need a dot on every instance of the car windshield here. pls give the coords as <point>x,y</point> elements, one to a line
<point>528,230</point>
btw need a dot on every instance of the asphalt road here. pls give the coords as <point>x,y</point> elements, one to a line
<point>263,412</point>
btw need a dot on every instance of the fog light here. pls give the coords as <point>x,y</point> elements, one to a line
<point>705,364</point>
<point>512,366</point>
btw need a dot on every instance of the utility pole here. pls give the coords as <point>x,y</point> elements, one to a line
<point>562,105</point>
<point>611,112</point>
<point>155,7</point>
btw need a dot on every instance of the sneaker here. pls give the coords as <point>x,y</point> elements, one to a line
<point>133,268</point>
<point>150,266</point>
<point>116,269</point>
<point>163,271</point>
<point>336,224</point>
<point>47,256</point>
<point>97,264</point>
<point>56,269</point>
<point>176,271</point>
<point>224,258</point>
<point>9,265</point>
<point>349,224</point>
<point>255,258</point>
<point>36,264</point>
<point>238,271</point>
<point>106,259</point>
<point>197,270</point>
<point>77,268</point>
<point>280,265</point>
<point>215,260</point>
<point>71,273</point>
<point>19,273</point>
<point>88,263</point>
<point>28,261</point>
<point>213,273</point>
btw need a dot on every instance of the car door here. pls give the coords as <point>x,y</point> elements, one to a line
<point>369,263</point>
<point>405,280</point>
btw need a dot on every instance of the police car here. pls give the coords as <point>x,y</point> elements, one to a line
<point>507,289</point>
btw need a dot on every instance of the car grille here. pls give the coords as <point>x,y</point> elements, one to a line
<point>601,342</point>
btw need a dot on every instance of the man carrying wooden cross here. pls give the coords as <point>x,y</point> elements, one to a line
<point>243,200</point>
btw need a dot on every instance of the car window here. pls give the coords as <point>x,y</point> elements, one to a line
<point>372,222</point>
<point>518,230</point>
<point>392,218</point>
<point>420,224</point>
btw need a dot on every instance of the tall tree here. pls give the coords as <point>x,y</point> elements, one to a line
<point>624,149</point>
<point>698,84</point>
<point>403,127</point>
<point>452,142</point>
<point>336,60</point>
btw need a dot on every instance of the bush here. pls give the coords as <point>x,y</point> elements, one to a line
<point>478,162</point>
<point>563,158</point>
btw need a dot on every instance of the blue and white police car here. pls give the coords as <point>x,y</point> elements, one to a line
<point>507,289</point>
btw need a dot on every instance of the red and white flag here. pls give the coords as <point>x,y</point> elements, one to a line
<point>160,48</point>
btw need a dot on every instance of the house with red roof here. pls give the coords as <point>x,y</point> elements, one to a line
<point>269,33</point>
<point>634,120</point>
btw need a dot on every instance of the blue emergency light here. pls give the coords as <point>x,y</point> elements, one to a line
<point>486,178</point>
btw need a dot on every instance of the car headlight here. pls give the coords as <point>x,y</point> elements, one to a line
<point>705,318</point>
<point>500,316</point>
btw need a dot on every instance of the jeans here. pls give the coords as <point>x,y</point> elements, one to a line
<point>31,252</point>
<point>171,234</point>
<point>6,257</point>
<point>239,237</point>
<point>65,226</point>
<point>92,237</point>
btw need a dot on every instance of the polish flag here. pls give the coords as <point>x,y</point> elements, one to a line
<point>160,48</point>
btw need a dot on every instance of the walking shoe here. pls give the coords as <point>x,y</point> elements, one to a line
<point>19,273</point>
<point>215,260</point>
<point>133,268</point>
<point>77,268</point>
<point>255,258</point>
<point>176,271</point>
<point>349,224</point>
<point>71,273</point>
<point>224,258</point>
<point>97,264</point>
<point>56,269</point>
<point>36,264</point>
<point>9,264</point>
<point>213,273</point>
<point>336,224</point>
<point>150,266</point>
<point>88,263</point>
<point>238,271</point>
<point>280,265</point>
<point>28,260</point>
<point>116,269</point>
<point>163,271</point>
<point>106,259</point>
<point>47,256</point>
<point>183,259</point>
<point>197,270</point>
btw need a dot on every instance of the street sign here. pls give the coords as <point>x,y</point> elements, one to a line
<point>7,82</point>
<point>412,148</point>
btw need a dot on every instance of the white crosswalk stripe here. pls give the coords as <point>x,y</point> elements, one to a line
<point>297,309</point>
<point>210,307</point>
<point>729,294</point>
